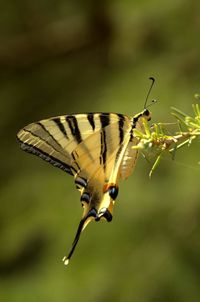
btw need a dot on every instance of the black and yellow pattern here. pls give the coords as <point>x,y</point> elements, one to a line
<point>95,148</point>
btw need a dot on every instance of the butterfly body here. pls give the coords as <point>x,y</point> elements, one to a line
<point>95,148</point>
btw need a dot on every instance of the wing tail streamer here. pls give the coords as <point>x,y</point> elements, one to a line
<point>92,214</point>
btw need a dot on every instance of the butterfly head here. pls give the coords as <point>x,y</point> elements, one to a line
<point>146,114</point>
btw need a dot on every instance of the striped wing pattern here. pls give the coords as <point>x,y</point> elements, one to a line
<point>57,139</point>
<point>95,148</point>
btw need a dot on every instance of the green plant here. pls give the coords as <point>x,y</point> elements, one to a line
<point>156,137</point>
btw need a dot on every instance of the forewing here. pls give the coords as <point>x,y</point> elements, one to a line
<point>56,139</point>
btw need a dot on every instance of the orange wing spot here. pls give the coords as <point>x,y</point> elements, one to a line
<point>107,186</point>
<point>112,188</point>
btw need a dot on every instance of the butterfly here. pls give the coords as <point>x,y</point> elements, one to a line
<point>95,148</point>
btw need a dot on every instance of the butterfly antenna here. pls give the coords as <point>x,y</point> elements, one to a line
<point>153,81</point>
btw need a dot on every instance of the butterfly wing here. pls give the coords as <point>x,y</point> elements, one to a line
<point>55,139</point>
<point>98,159</point>
<point>88,146</point>
<point>114,158</point>
<point>95,148</point>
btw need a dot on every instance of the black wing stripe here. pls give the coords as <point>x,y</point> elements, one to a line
<point>44,128</point>
<point>131,134</point>
<point>134,122</point>
<point>90,117</point>
<point>46,142</point>
<point>103,147</point>
<point>121,125</point>
<point>75,160</point>
<point>118,152</point>
<point>49,158</point>
<point>58,122</point>
<point>73,125</point>
<point>105,121</point>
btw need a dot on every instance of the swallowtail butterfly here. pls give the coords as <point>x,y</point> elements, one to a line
<point>95,148</point>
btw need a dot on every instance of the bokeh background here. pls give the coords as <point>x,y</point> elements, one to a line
<point>63,57</point>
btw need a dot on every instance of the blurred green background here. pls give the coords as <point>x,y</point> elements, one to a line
<point>63,57</point>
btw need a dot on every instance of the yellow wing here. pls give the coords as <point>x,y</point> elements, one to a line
<point>54,139</point>
<point>95,148</point>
